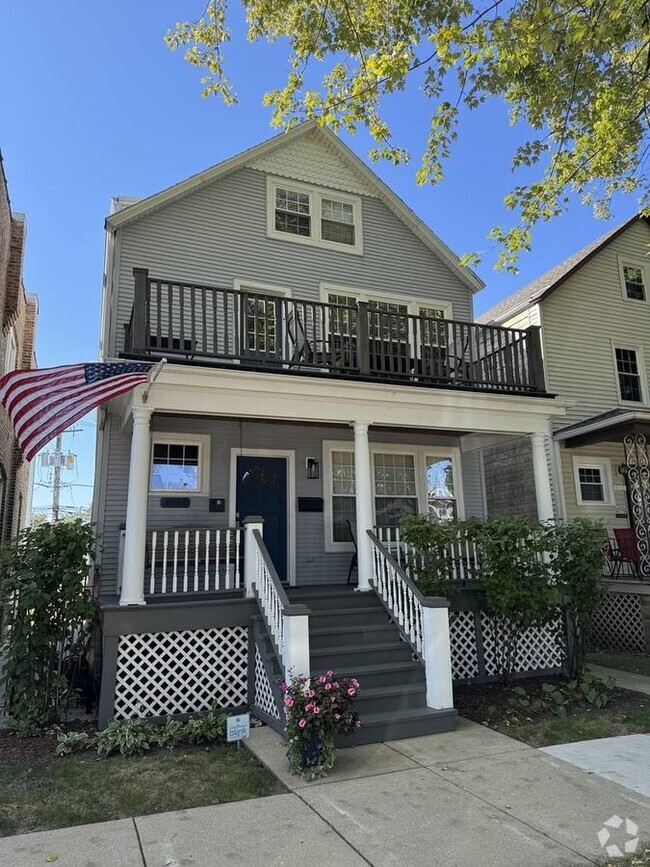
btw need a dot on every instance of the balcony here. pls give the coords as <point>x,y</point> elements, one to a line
<point>207,325</point>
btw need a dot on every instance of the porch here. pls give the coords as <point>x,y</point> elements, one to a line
<point>363,340</point>
<point>605,462</point>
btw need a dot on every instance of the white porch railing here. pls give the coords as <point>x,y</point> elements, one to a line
<point>463,556</point>
<point>287,624</point>
<point>194,559</point>
<point>423,622</point>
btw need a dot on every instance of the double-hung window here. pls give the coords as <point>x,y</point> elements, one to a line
<point>629,374</point>
<point>314,216</point>
<point>343,494</point>
<point>395,487</point>
<point>592,482</point>
<point>441,488</point>
<point>179,465</point>
<point>633,280</point>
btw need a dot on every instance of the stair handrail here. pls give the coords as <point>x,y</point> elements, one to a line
<point>423,621</point>
<point>287,624</point>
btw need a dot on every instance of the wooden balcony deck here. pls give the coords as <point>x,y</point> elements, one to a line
<point>215,326</point>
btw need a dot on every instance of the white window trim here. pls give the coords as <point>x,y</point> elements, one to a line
<point>316,195</point>
<point>11,351</point>
<point>412,303</point>
<point>633,263</point>
<point>640,360</point>
<point>420,454</point>
<point>605,468</point>
<point>241,285</point>
<point>203,441</point>
<point>290,456</point>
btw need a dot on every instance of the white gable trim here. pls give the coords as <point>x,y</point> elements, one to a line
<point>382,191</point>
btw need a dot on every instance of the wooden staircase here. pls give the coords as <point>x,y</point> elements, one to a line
<point>351,633</point>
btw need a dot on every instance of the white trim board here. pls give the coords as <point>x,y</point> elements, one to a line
<point>290,457</point>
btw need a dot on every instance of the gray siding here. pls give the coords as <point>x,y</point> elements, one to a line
<point>313,564</point>
<point>581,320</point>
<point>218,234</point>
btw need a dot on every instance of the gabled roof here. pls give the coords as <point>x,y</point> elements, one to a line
<point>540,288</point>
<point>382,191</point>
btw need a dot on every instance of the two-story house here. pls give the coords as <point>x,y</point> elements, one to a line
<point>594,314</point>
<point>18,313</point>
<point>323,377</point>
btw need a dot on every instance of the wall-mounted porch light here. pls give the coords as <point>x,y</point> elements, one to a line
<point>313,468</point>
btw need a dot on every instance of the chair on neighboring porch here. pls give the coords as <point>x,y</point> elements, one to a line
<point>627,551</point>
<point>308,350</point>
<point>354,562</point>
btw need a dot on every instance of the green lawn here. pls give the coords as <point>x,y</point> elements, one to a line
<point>58,792</point>
<point>581,725</point>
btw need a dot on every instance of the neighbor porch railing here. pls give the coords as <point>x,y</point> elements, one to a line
<point>423,622</point>
<point>462,555</point>
<point>287,625</point>
<point>364,339</point>
<point>194,559</point>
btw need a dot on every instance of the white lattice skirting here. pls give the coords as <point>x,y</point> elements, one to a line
<point>264,699</point>
<point>618,625</point>
<point>538,650</point>
<point>165,673</point>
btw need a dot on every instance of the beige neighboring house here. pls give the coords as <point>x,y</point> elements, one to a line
<point>18,314</point>
<point>594,313</point>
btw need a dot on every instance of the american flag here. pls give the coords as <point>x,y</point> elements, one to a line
<point>42,403</point>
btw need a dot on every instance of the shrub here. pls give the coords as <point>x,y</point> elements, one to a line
<point>577,566</point>
<point>430,568</point>
<point>207,726</point>
<point>49,614</point>
<point>129,737</point>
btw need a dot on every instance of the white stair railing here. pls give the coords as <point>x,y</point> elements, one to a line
<point>194,559</point>
<point>286,624</point>
<point>422,620</point>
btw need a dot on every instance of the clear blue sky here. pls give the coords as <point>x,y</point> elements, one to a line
<point>94,105</point>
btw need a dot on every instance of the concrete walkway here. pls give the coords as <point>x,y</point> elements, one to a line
<point>624,679</point>
<point>469,797</point>
<point>624,760</point>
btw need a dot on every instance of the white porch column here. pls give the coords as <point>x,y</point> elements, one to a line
<point>295,650</point>
<point>363,488</point>
<point>542,479</point>
<point>136,510</point>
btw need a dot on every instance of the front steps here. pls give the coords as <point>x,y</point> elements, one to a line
<point>352,633</point>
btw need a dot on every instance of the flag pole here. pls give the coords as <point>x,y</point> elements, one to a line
<point>154,373</point>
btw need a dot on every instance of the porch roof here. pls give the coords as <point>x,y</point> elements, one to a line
<point>609,426</point>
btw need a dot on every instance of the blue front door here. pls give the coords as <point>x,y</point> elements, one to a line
<point>262,490</point>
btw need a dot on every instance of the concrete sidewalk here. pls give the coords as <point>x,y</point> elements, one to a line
<point>469,797</point>
<point>624,679</point>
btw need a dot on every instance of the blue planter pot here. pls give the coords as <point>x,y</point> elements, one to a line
<point>310,753</point>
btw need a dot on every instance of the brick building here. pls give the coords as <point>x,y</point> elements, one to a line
<point>18,313</point>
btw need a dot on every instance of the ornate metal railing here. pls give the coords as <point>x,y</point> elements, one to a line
<point>217,325</point>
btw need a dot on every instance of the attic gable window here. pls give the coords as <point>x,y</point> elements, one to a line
<point>337,221</point>
<point>314,216</point>
<point>293,212</point>
<point>633,282</point>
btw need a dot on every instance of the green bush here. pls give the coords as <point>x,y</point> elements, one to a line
<point>207,726</point>
<point>430,568</point>
<point>73,742</point>
<point>49,614</point>
<point>132,737</point>
<point>129,737</point>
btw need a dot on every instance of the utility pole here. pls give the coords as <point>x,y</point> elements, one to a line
<point>56,478</point>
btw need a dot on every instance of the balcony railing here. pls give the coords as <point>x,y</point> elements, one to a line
<point>270,332</point>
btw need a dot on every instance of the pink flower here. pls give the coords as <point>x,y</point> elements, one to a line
<point>284,687</point>
<point>358,724</point>
<point>328,686</point>
<point>316,709</point>
<point>311,693</point>
<point>337,716</point>
<point>288,701</point>
<point>302,723</point>
<point>335,684</point>
<point>330,673</point>
<point>355,683</point>
<point>322,678</point>
<point>309,705</point>
<point>352,691</point>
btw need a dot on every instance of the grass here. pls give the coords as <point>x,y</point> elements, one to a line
<point>59,792</point>
<point>635,662</point>
<point>580,725</point>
